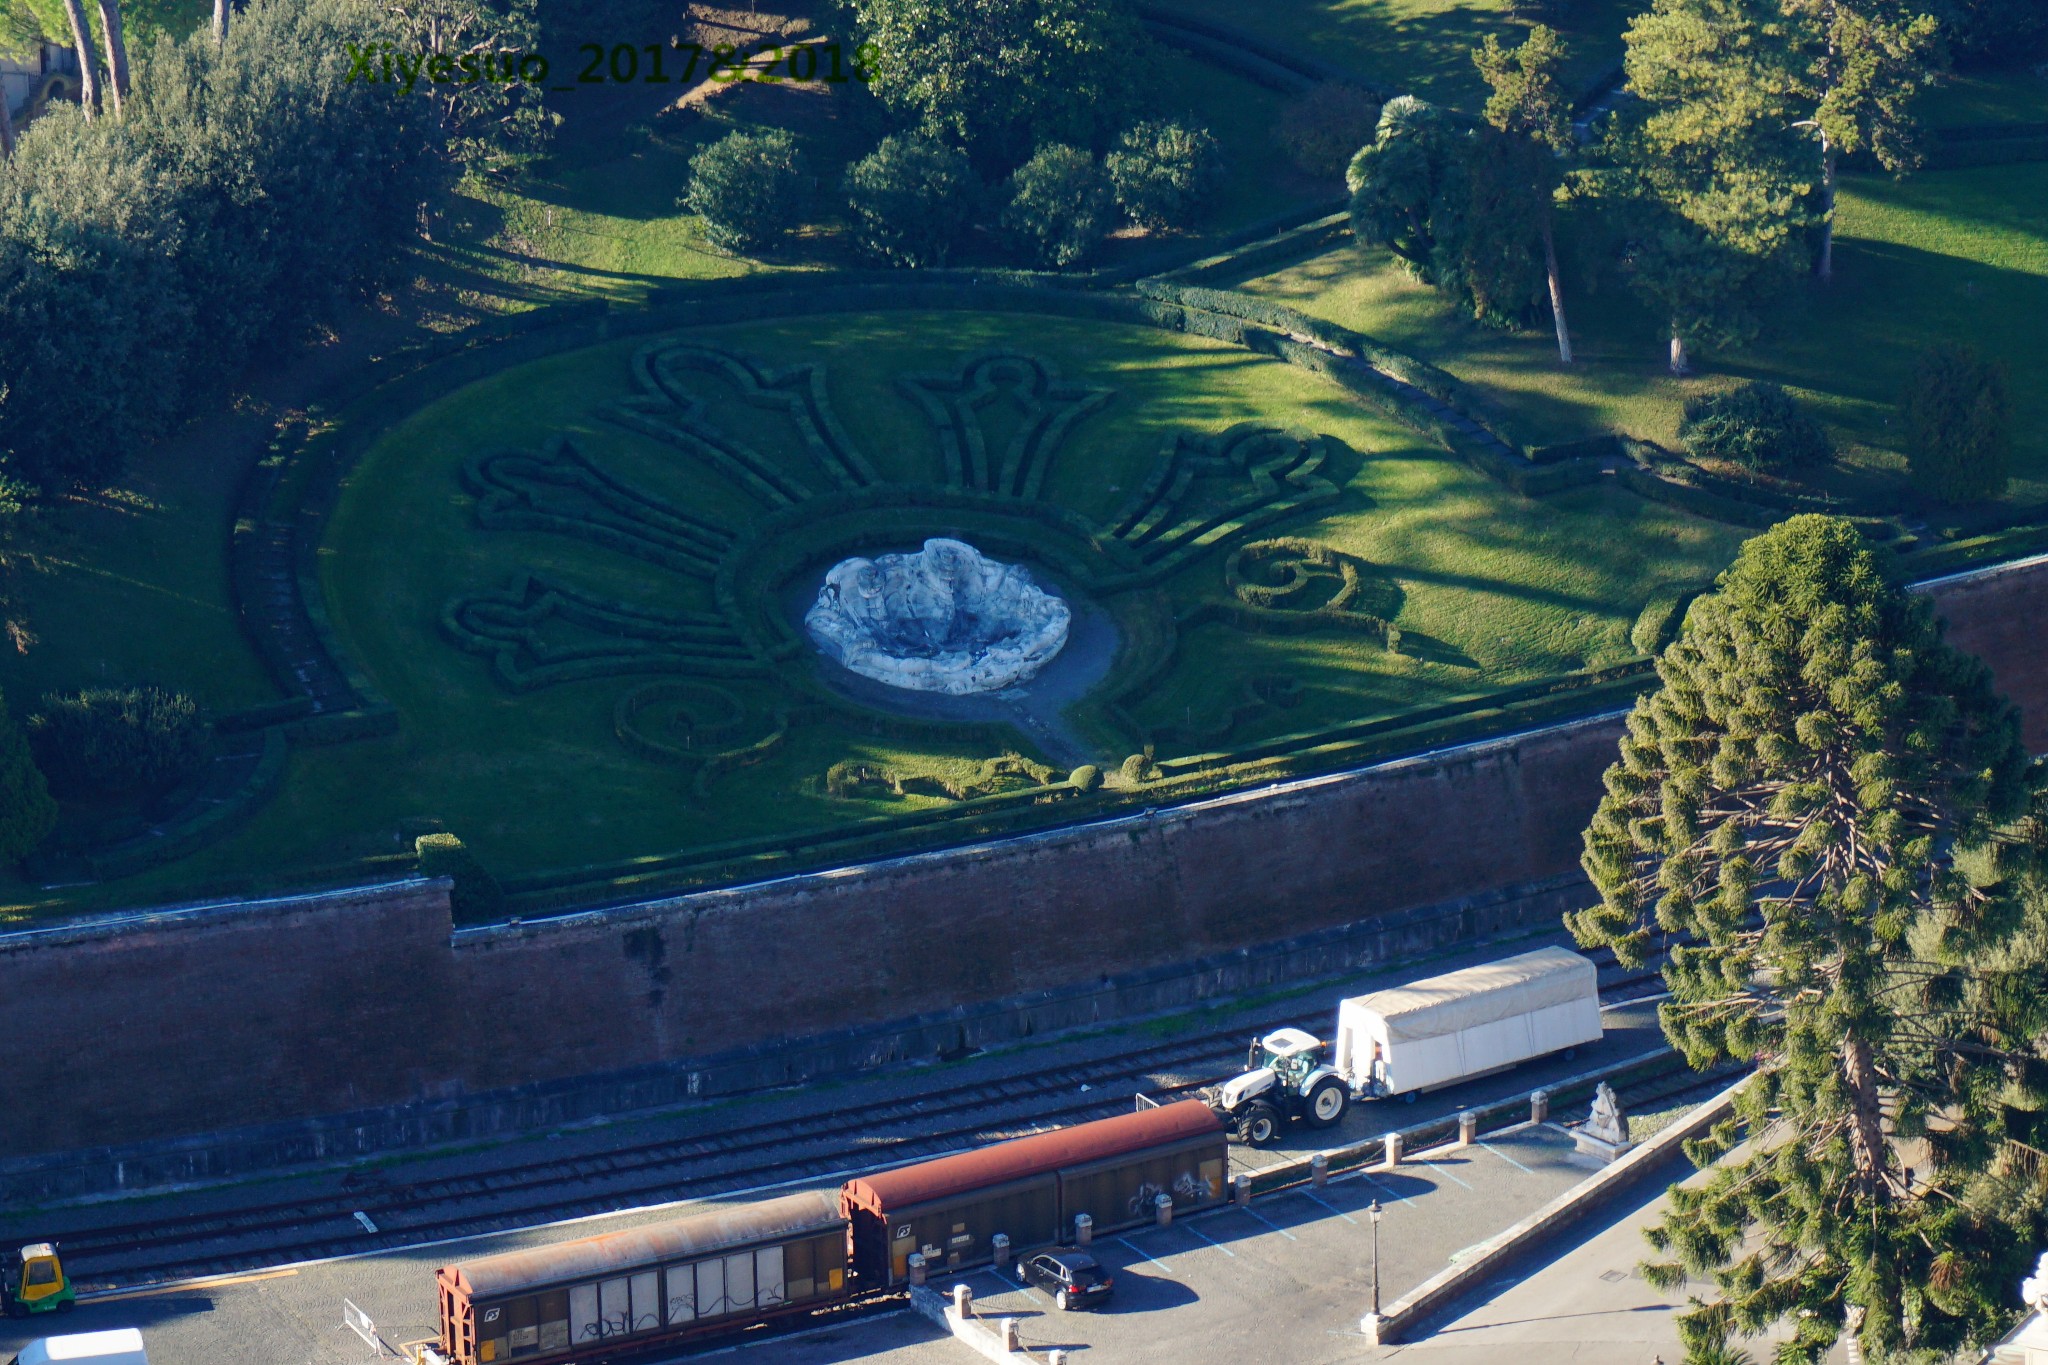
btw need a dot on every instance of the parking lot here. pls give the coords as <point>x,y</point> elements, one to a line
<point>1283,1282</point>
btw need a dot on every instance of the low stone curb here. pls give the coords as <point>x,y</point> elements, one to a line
<point>1496,1254</point>
<point>971,1331</point>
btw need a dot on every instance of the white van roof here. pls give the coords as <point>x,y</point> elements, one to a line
<point>121,1346</point>
<point>1479,995</point>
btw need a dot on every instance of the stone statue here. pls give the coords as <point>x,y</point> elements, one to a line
<point>1607,1122</point>
<point>1604,1134</point>
<point>943,619</point>
<point>2034,1290</point>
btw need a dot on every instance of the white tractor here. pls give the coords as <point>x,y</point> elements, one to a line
<point>1285,1078</point>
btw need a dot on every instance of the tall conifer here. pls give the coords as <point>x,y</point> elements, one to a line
<point>1834,805</point>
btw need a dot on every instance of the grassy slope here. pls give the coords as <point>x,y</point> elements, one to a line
<point>1972,97</point>
<point>1944,254</point>
<point>134,589</point>
<point>1421,46</point>
<point>1508,590</point>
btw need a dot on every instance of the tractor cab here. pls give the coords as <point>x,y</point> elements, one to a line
<point>1289,1052</point>
<point>34,1281</point>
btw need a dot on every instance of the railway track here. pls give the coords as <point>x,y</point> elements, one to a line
<point>110,1256</point>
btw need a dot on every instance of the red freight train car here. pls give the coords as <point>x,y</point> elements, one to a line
<point>626,1293</point>
<point>1030,1189</point>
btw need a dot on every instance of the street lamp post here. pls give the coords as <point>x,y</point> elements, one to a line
<point>1375,1212</point>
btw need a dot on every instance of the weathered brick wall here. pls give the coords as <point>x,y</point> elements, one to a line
<point>170,1023</point>
<point>160,1025</point>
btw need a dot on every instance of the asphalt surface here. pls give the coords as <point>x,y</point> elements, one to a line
<point>284,1316</point>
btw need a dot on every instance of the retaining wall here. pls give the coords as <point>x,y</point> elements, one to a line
<point>155,1026</point>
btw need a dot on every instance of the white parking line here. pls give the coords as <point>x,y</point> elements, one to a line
<point>1273,1225</point>
<point>1391,1192</point>
<point>1143,1256</point>
<point>1213,1242</point>
<point>1442,1170</point>
<point>1505,1157</point>
<point>1331,1207</point>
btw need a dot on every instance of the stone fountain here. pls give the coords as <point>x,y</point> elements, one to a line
<point>942,619</point>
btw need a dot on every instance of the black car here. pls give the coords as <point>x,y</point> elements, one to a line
<point>1073,1278</point>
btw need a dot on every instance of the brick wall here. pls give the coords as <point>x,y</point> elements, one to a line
<point>150,1026</point>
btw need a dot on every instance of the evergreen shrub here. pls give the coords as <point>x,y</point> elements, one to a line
<point>1085,778</point>
<point>1322,128</point>
<point>1161,172</point>
<point>1758,426</point>
<point>1059,205</point>
<point>1958,424</point>
<point>476,894</point>
<point>749,188</point>
<point>109,741</point>
<point>912,200</point>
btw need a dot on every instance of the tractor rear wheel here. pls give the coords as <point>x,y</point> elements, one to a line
<point>1326,1102</point>
<point>1260,1124</point>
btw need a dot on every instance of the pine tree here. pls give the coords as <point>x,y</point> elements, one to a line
<point>1834,804</point>
<point>1529,104</point>
<point>1867,61</point>
<point>1716,172</point>
<point>27,814</point>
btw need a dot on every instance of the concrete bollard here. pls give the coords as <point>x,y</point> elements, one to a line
<point>1055,1357</point>
<point>1371,1325</point>
<point>1319,1169</point>
<point>1393,1149</point>
<point>1000,1245</point>
<point>1006,1332</point>
<point>963,1301</point>
<point>1241,1191</point>
<point>1468,1128</point>
<point>1539,1106</point>
<point>917,1267</point>
<point>1162,1210</point>
<point>1084,1229</point>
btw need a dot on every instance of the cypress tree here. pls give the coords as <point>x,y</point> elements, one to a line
<point>1834,805</point>
<point>27,814</point>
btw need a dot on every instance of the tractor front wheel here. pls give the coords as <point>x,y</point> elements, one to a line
<point>1259,1125</point>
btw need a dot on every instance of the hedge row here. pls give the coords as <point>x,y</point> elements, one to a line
<point>1016,813</point>
<point>203,822</point>
<point>1235,49</point>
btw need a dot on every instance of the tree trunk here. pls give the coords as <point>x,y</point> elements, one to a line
<point>81,40</point>
<point>1564,336</point>
<point>6,127</point>
<point>1867,1147</point>
<point>220,21</point>
<point>117,54</point>
<point>1679,364</point>
<point>1825,267</point>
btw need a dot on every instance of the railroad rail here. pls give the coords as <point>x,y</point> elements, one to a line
<point>108,1257</point>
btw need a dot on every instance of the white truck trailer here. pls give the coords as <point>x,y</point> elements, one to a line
<point>121,1346</point>
<point>1467,1023</point>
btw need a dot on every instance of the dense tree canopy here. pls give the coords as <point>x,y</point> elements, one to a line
<point>1004,77</point>
<point>912,200</point>
<point>248,185</point>
<point>1835,806</point>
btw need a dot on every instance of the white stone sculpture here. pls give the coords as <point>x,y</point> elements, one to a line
<point>2034,1290</point>
<point>1603,1137</point>
<point>942,619</point>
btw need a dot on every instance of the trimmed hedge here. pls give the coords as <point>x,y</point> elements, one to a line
<point>476,893</point>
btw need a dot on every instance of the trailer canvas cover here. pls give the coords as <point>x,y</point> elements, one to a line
<point>1463,1022</point>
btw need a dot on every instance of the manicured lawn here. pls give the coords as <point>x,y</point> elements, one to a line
<point>133,589</point>
<point>2019,95</point>
<point>1423,47</point>
<point>1491,589</point>
<point>1942,254</point>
